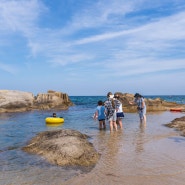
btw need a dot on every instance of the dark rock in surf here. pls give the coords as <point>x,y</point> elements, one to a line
<point>178,124</point>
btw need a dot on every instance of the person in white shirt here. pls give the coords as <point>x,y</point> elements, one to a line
<point>119,111</point>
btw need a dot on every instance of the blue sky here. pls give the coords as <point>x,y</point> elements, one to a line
<point>90,47</point>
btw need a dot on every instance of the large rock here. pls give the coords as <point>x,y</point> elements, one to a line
<point>152,104</point>
<point>63,147</point>
<point>52,100</point>
<point>11,101</point>
<point>18,101</point>
<point>178,124</point>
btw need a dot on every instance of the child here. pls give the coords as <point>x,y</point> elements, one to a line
<point>100,114</point>
<point>119,111</point>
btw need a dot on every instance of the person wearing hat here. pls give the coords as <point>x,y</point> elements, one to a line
<point>111,111</point>
<point>141,107</point>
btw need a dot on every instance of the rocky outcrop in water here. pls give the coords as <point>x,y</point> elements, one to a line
<point>152,104</point>
<point>63,147</point>
<point>178,124</point>
<point>18,101</point>
<point>52,100</point>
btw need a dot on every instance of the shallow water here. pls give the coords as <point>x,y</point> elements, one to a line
<point>138,155</point>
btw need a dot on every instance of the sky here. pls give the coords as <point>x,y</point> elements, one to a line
<point>91,47</point>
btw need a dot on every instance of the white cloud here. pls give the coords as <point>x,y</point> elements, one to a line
<point>19,15</point>
<point>8,68</point>
<point>100,37</point>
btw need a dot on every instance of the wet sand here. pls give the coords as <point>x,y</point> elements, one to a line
<point>138,155</point>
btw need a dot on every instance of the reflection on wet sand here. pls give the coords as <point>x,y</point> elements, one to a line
<point>140,136</point>
<point>134,156</point>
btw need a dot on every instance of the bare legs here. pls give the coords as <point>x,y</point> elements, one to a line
<point>143,120</point>
<point>119,122</point>
<point>102,125</point>
<point>113,125</point>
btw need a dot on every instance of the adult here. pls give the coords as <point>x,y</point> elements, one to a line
<point>110,111</point>
<point>141,107</point>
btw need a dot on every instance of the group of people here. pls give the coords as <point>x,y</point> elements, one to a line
<point>112,110</point>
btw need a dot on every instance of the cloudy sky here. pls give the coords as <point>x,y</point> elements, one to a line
<point>90,47</point>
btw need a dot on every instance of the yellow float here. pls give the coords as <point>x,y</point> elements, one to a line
<point>53,120</point>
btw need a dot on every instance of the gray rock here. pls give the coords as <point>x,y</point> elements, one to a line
<point>11,101</point>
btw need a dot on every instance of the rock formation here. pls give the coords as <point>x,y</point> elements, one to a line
<point>10,101</point>
<point>152,104</point>
<point>52,100</point>
<point>178,124</point>
<point>63,147</point>
<point>18,101</point>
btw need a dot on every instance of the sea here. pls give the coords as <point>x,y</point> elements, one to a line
<point>150,154</point>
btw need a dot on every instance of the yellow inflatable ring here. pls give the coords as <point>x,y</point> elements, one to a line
<point>51,120</point>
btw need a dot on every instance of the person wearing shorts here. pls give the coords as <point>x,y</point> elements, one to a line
<point>141,107</point>
<point>100,114</point>
<point>119,111</point>
<point>111,111</point>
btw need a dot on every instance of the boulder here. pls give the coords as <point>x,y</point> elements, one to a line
<point>18,101</point>
<point>52,100</point>
<point>63,147</point>
<point>178,124</point>
<point>12,101</point>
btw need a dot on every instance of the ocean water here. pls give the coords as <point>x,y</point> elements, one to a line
<point>137,155</point>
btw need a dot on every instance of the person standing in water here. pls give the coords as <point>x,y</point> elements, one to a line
<point>141,107</point>
<point>100,114</point>
<point>119,111</point>
<point>111,111</point>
